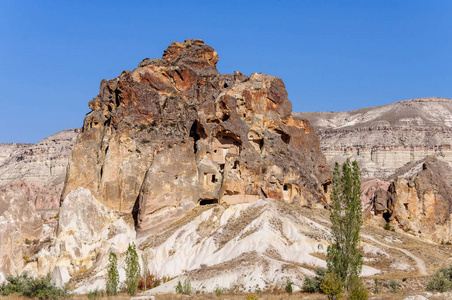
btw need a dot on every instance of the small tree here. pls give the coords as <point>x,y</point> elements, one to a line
<point>184,288</point>
<point>289,287</point>
<point>344,258</point>
<point>112,275</point>
<point>132,270</point>
<point>332,286</point>
<point>357,290</point>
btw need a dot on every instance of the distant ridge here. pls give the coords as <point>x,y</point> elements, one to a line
<point>384,138</point>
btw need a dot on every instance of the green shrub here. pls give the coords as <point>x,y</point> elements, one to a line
<point>439,282</point>
<point>179,287</point>
<point>112,283</point>
<point>95,294</point>
<point>377,286</point>
<point>218,291</point>
<point>252,296</point>
<point>185,288</point>
<point>288,287</point>
<point>132,270</point>
<point>312,285</point>
<point>27,286</point>
<point>332,286</point>
<point>394,285</point>
<point>357,290</point>
<point>387,226</point>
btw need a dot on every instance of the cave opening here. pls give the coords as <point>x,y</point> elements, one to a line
<point>197,132</point>
<point>136,211</point>
<point>208,201</point>
<point>386,215</point>
<point>284,136</point>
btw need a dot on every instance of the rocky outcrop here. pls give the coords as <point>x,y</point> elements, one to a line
<point>174,133</point>
<point>420,205</point>
<point>385,138</point>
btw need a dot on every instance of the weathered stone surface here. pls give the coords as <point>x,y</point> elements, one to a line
<point>19,223</point>
<point>38,170</point>
<point>385,138</point>
<point>421,205</point>
<point>31,181</point>
<point>370,189</point>
<point>174,133</point>
<point>87,233</point>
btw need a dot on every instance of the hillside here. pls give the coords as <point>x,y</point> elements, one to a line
<point>385,138</point>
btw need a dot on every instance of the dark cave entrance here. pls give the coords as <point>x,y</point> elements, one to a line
<point>208,201</point>
<point>386,216</point>
<point>197,132</point>
<point>136,212</point>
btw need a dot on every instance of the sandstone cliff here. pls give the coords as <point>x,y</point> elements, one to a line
<point>174,133</point>
<point>385,138</point>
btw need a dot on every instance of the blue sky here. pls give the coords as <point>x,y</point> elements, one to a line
<point>332,55</point>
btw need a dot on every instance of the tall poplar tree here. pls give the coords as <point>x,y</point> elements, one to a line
<point>344,258</point>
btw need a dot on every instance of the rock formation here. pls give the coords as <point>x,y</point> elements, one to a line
<point>420,205</point>
<point>174,133</point>
<point>385,138</point>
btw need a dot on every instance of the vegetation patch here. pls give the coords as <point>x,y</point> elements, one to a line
<point>27,286</point>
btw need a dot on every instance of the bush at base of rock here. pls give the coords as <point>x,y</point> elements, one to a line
<point>332,286</point>
<point>152,281</point>
<point>393,285</point>
<point>95,294</point>
<point>441,281</point>
<point>312,285</point>
<point>357,290</point>
<point>288,287</point>
<point>185,288</point>
<point>27,286</point>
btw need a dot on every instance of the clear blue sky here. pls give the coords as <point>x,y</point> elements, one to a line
<point>332,55</point>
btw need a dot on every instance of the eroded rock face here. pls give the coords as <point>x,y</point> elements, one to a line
<point>38,170</point>
<point>31,181</point>
<point>422,204</point>
<point>87,232</point>
<point>174,133</point>
<point>19,225</point>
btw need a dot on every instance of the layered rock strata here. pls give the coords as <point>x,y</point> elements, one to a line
<point>385,138</point>
<point>174,133</point>
<point>38,170</point>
